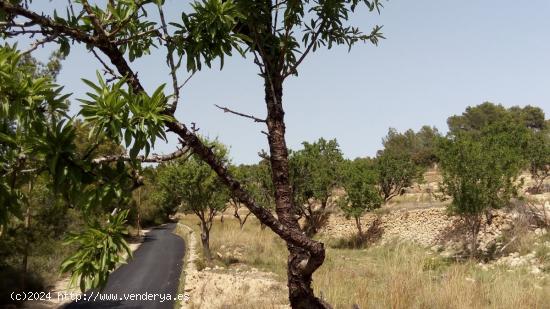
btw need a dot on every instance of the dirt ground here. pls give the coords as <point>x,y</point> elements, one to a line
<point>237,286</point>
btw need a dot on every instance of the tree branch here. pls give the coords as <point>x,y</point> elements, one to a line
<point>105,66</point>
<point>38,43</point>
<point>170,62</point>
<point>293,69</point>
<point>227,110</point>
<point>97,25</point>
<point>155,158</point>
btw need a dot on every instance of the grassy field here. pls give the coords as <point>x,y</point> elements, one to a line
<point>395,275</point>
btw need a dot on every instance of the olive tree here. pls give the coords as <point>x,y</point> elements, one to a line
<point>480,172</point>
<point>361,192</point>
<point>278,35</point>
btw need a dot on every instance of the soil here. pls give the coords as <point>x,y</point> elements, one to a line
<point>237,286</point>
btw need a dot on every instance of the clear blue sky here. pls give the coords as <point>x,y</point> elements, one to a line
<point>439,57</point>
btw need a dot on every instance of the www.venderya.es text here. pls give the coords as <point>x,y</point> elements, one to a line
<point>96,296</point>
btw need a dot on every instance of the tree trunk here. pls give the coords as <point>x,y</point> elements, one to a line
<point>26,245</point>
<point>24,262</point>
<point>205,240</point>
<point>475,224</point>
<point>301,264</point>
<point>138,214</point>
<point>359,229</point>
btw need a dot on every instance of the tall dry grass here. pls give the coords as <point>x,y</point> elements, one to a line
<point>394,275</point>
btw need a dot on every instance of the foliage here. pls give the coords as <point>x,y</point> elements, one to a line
<point>192,186</point>
<point>361,192</point>
<point>145,208</point>
<point>537,153</point>
<point>475,118</point>
<point>27,104</point>
<point>40,141</point>
<point>208,32</point>
<point>420,145</point>
<point>256,178</point>
<point>315,171</point>
<point>99,251</point>
<point>121,114</point>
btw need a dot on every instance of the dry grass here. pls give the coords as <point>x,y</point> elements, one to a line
<point>394,275</point>
<point>405,276</point>
<point>258,248</point>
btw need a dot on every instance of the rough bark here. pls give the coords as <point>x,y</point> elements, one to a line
<point>205,239</point>
<point>474,222</point>
<point>359,229</point>
<point>301,262</point>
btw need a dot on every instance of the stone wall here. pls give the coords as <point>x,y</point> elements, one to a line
<point>426,226</point>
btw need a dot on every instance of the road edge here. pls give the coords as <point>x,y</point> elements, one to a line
<point>189,271</point>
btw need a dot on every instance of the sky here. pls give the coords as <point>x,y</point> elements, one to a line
<point>438,58</point>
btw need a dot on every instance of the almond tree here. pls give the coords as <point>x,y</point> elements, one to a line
<point>315,172</point>
<point>480,171</point>
<point>361,192</point>
<point>190,185</point>
<point>278,35</point>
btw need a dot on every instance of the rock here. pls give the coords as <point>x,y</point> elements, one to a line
<point>535,270</point>
<point>540,231</point>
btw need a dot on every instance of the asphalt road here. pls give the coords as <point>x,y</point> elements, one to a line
<point>154,269</point>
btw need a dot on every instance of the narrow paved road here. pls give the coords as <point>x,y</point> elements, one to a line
<point>154,269</point>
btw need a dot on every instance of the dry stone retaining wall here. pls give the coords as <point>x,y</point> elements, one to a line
<point>428,227</point>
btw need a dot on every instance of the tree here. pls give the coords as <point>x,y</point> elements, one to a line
<point>538,156</point>
<point>279,35</point>
<point>192,186</point>
<point>475,118</point>
<point>256,179</point>
<point>315,172</point>
<point>480,171</point>
<point>361,192</point>
<point>420,145</point>
<point>395,165</point>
